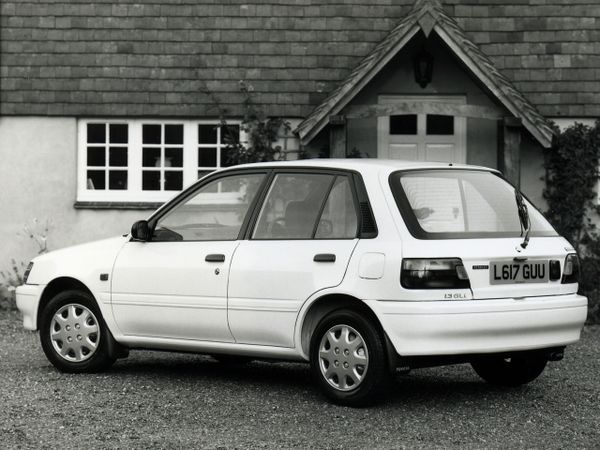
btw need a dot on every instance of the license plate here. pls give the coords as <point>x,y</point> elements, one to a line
<point>510,272</point>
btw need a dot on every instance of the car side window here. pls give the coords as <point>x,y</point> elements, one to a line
<point>215,212</point>
<point>339,219</point>
<point>292,206</point>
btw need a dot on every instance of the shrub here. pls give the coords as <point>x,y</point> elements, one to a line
<point>571,180</point>
<point>262,132</point>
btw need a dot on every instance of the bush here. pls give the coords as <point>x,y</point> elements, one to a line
<point>571,180</point>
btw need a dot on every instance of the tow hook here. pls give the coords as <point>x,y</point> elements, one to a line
<point>555,355</point>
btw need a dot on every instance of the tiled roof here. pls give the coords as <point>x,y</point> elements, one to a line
<point>172,57</point>
<point>428,15</point>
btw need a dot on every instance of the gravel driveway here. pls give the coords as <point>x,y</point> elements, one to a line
<point>167,400</point>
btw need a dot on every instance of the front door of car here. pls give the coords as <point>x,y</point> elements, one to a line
<point>304,236</point>
<point>175,285</point>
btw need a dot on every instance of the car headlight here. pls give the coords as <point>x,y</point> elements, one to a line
<point>27,272</point>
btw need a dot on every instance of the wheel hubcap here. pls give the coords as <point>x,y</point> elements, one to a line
<point>343,357</point>
<point>74,332</point>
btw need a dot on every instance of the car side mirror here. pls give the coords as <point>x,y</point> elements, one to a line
<point>140,231</point>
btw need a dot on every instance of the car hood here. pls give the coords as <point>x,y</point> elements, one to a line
<point>82,261</point>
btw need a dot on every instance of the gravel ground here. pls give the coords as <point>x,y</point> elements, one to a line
<point>166,400</point>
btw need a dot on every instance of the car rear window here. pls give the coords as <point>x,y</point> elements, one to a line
<point>455,203</point>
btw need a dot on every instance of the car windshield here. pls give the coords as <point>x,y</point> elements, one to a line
<point>453,203</point>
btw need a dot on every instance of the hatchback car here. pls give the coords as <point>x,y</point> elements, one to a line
<point>358,267</point>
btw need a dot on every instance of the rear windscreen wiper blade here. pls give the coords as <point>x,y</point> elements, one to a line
<point>523,217</point>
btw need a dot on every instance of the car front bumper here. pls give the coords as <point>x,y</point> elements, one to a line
<point>28,299</point>
<point>481,326</point>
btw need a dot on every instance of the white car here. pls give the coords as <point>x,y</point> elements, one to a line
<point>358,266</point>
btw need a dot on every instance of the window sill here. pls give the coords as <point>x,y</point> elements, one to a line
<point>117,205</point>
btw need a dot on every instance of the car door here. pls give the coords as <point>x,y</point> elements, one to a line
<point>175,285</point>
<point>304,236</point>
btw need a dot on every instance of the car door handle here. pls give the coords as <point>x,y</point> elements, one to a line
<point>324,257</point>
<point>215,257</point>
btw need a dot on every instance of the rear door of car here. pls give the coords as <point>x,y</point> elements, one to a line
<point>301,241</point>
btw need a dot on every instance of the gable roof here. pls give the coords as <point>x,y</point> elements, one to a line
<point>428,15</point>
<point>171,58</point>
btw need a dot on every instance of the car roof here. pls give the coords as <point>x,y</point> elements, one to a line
<point>361,164</point>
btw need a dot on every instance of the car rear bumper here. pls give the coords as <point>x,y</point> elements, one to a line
<point>28,299</point>
<point>481,326</point>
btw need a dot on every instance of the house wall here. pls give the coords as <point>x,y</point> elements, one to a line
<point>38,182</point>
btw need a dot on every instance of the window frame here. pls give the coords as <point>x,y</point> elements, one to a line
<point>134,168</point>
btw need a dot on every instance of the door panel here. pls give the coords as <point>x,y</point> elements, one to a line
<point>167,289</point>
<point>440,152</point>
<point>270,280</point>
<point>404,151</point>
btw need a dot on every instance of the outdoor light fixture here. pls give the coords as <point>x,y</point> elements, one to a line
<point>423,66</point>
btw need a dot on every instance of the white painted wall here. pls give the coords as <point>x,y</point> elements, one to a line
<point>38,181</point>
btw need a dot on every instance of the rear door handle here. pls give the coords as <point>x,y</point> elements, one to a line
<point>324,257</point>
<point>215,257</point>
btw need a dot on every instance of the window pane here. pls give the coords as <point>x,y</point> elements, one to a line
<point>96,156</point>
<point>207,134</point>
<point>440,125</point>
<point>338,220</point>
<point>151,180</point>
<point>117,156</point>
<point>96,133</point>
<point>230,134</point>
<point>117,179</point>
<point>151,157</point>
<point>118,133</point>
<point>225,161</point>
<point>403,124</point>
<point>213,213</point>
<point>207,157</point>
<point>292,206</point>
<point>173,180</point>
<point>151,134</point>
<point>96,179</point>
<point>174,157</point>
<point>173,134</point>
<point>458,202</point>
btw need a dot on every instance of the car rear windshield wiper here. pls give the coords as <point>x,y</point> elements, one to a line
<point>523,217</point>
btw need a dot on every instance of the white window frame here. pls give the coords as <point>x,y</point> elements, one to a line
<point>134,192</point>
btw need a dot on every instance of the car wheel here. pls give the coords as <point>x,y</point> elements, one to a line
<point>73,334</point>
<point>347,357</point>
<point>510,371</point>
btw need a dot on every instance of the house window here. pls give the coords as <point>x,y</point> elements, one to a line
<point>106,156</point>
<point>147,160</point>
<point>212,142</point>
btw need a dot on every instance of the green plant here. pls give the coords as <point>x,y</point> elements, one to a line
<point>261,132</point>
<point>571,179</point>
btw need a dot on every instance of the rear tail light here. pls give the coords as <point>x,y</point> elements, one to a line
<point>571,270</point>
<point>434,273</point>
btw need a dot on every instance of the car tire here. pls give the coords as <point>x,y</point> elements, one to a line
<point>74,335</point>
<point>348,358</point>
<point>512,371</point>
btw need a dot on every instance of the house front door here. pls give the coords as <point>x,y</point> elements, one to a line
<point>420,136</point>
